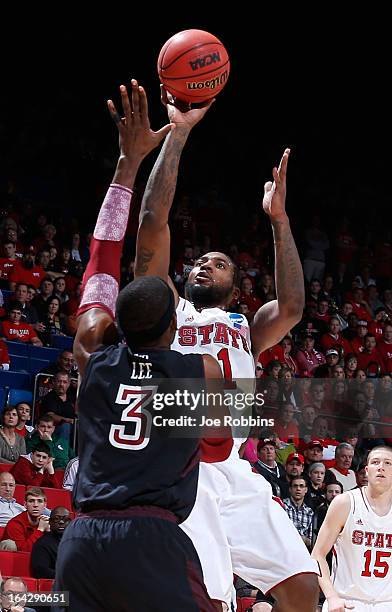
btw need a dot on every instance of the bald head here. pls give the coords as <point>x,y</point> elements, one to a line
<point>7,485</point>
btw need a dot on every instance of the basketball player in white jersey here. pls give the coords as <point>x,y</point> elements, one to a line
<point>358,526</point>
<point>235,526</point>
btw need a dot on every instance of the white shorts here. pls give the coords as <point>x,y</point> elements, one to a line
<point>361,606</point>
<point>237,527</point>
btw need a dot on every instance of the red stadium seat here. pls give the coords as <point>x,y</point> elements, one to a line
<point>15,563</point>
<point>244,603</point>
<point>60,474</point>
<point>58,497</point>
<point>45,584</point>
<point>19,494</point>
<point>5,467</point>
<point>31,583</point>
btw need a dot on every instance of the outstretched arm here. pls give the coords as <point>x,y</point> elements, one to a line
<point>102,276</point>
<point>153,239</point>
<point>333,524</point>
<point>273,320</point>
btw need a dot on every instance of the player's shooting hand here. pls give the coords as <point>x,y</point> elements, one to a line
<point>136,138</point>
<point>337,604</point>
<point>274,201</point>
<point>17,608</point>
<point>181,113</point>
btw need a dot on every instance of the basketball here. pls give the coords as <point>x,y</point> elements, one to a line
<point>193,65</point>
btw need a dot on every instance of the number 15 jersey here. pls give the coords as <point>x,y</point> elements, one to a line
<point>362,560</point>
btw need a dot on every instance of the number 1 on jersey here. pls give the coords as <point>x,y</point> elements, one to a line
<point>224,357</point>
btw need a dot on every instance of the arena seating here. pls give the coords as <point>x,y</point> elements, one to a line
<point>58,497</point>
<point>19,395</point>
<point>15,563</point>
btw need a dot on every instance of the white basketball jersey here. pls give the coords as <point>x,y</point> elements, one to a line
<point>224,335</point>
<point>362,560</point>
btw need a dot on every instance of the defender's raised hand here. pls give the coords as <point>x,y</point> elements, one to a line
<point>274,200</point>
<point>136,138</point>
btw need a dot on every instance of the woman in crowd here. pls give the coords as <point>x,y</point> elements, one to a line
<point>60,289</point>
<point>287,386</point>
<point>350,365</point>
<point>54,321</point>
<point>11,445</point>
<point>287,346</point>
<point>307,358</point>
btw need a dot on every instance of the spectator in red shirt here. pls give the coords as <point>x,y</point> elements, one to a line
<point>384,347</point>
<point>13,329</point>
<point>247,295</point>
<point>8,263</point>
<point>36,468</point>
<point>27,272</point>
<point>26,528</point>
<point>357,343</point>
<point>370,354</point>
<point>286,427</point>
<point>308,359</point>
<point>4,357</point>
<point>24,414</point>
<point>334,338</point>
<point>275,353</point>
<point>360,307</point>
<point>322,311</point>
<point>11,235</point>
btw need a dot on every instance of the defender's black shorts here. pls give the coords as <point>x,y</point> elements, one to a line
<point>142,562</point>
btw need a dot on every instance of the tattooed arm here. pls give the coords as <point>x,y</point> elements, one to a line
<point>153,239</point>
<point>273,320</point>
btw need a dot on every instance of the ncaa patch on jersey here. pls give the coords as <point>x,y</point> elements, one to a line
<point>237,320</point>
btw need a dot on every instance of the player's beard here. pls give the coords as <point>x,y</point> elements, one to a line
<point>207,297</point>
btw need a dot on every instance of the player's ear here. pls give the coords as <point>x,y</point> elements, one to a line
<point>236,294</point>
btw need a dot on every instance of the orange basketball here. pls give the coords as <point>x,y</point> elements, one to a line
<point>193,65</point>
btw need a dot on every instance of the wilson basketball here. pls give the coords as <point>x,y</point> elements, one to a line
<point>193,65</point>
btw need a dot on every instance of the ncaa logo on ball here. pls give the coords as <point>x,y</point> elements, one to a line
<point>208,83</point>
<point>207,60</point>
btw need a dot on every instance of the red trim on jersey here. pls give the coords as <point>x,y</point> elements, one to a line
<point>214,450</point>
<point>141,511</point>
<point>364,499</point>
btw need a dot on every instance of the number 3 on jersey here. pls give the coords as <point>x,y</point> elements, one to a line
<point>134,414</point>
